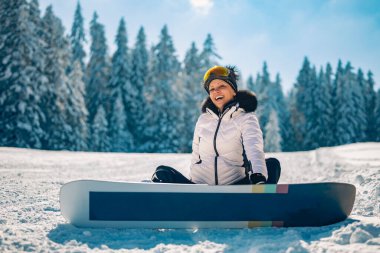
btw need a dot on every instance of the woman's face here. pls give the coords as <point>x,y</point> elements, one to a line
<point>220,93</point>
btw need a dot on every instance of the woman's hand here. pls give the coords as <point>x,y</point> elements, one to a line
<point>257,178</point>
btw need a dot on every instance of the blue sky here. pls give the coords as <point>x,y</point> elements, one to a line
<point>249,32</point>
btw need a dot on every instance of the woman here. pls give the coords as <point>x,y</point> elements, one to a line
<point>228,142</point>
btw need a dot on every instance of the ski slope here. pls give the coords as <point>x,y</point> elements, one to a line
<point>30,218</point>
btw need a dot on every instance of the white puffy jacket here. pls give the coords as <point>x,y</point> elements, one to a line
<point>220,142</point>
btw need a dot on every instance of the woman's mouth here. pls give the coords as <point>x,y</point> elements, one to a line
<point>219,98</point>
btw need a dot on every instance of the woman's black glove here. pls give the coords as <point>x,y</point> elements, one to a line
<point>257,178</point>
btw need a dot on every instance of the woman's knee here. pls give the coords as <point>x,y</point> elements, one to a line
<point>163,174</point>
<point>272,162</point>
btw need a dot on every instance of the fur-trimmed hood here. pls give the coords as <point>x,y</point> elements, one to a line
<point>245,99</point>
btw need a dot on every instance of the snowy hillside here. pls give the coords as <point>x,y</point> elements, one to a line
<point>30,218</point>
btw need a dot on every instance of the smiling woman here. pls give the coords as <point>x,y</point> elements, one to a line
<point>228,143</point>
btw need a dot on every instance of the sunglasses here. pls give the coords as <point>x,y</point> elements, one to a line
<point>216,71</point>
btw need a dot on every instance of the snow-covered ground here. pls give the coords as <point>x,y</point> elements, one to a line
<point>30,218</point>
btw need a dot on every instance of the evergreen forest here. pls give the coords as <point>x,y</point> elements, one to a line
<point>55,95</point>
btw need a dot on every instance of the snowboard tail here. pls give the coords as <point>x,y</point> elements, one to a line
<point>111,204</point>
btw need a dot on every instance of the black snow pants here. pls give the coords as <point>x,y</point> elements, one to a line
<point>166,174</point>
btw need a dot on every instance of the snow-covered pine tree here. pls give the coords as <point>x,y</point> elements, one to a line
<point>323,101</point>
<point>35,18</point>
<point>273,134</point>
<point>295,121</point>
<point>346,118</point>
<point>21,75</point>
<point>257,84</point>
<point>55,100</point>
<point>283,115</point>
<point>370,100</point>
<point>301,97</point>
<point>139,73</point>
<point>120,137</point>
<point>63,99</point>
<point>251,84</point>
<point>208,57</point>
<point>312,112</point>
<point>98,71</point>
<point>169,67</point>
<point>150,140</point>
<point>335,100</point>
<point>263,86</point>
<point>330,122</point>
<point>192,94</point>
<point>377,116</point>
<point>77,113</point>
<point>99,131</point>
<point>120,89</point>
<point>163,103</point>
<point>78,38</point>
<point>271,97</point>
<point>359,104</point>
<point>289,139</point>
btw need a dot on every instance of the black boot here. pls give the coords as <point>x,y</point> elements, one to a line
<point>274,170</point>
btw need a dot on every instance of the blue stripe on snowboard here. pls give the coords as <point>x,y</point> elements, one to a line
<point>148,206</point>
<point>304,205</point>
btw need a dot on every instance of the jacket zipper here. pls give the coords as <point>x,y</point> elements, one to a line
<point>216,151</point>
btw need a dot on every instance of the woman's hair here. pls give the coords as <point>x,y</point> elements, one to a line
<point>233,72</point>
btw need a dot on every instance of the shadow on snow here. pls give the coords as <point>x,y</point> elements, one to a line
<point>268,239</point>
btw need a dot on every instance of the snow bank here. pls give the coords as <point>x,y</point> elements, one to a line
<point>30,218</point>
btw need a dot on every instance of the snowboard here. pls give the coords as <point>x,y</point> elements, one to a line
<point>90,203</point>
